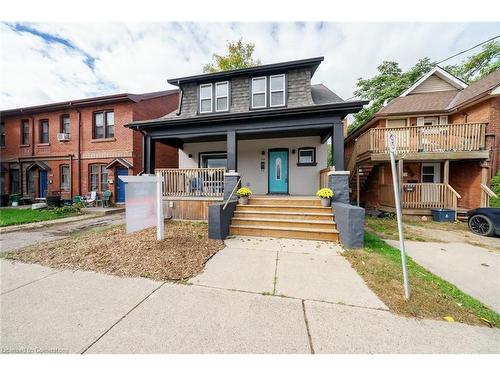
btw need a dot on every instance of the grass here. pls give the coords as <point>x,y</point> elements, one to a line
<point>14,216</point>
<point>432,297</point>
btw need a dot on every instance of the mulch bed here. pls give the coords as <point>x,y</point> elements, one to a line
<point>181,255</point>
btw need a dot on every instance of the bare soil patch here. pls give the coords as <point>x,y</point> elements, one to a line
<point>181,255</point>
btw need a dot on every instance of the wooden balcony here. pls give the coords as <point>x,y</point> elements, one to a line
<point>192,182</point>
<point>428,142</point>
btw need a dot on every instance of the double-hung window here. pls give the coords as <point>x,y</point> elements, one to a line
<point>25,132</point>
<point>259,92</point>
<point>64,182</point>
<point>98,177</point>
<point>44,131</point>
<point>104,124</point>
<point>2,134</point>
<point>221,96</point>
<point>65,124</point>
<point>206,98</point>
<point>277,90</point>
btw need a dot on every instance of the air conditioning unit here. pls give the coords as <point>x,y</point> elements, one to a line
<point>63,136</point>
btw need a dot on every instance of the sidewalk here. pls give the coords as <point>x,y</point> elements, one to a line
<point>64,311</point>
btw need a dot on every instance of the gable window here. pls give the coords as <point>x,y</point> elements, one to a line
<point>98,177</point>
<point>277,90</point>
<point>104,124</point>
<point>307,157</point>
<point>2,134</point>
<point>259,92</point>
<point>221,96</point>
<point>44,131</point>
<point>64,182</point>
<point>65,124</point>
<point>206,98</point>
<point>25,132</point>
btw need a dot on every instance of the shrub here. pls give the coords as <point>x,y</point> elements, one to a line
<point>495,186</point>
<point>324,193</point>
<point>74,208</point>
<point>244,192</point>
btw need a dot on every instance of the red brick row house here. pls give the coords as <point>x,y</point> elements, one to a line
<point>75,147</point>
<point>447,135</point>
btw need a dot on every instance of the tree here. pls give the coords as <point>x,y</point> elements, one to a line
<point>389,83</point>
<point>240,55</point>
<point>479,65</point>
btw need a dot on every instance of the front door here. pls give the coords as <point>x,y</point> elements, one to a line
<point>43,184</point>
<point>431,175</point>
<point>120,185</point>
<point>278,171</point>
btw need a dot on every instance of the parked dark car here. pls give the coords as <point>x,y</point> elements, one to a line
<point>484,221</point>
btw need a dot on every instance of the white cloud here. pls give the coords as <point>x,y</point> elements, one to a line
<point>141,57</point>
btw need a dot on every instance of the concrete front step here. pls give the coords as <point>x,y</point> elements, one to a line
<point>284,232</point>
<point>283,208</point>
<point>319,225</point>
<point>283,215</point>
<point>284,201</point>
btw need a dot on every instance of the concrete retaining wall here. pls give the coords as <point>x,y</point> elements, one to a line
<point>350,224</point>
<point>219,219</point>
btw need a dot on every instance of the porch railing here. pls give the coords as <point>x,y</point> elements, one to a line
<point>428,138</point>
<point>421,196</point>
<point>323,177</point>
<point>192,182</point>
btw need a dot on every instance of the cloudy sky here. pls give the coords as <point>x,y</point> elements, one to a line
<point>45,62</point>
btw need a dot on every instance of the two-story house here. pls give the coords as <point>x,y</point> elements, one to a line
<point>264,127</point>
<point>447,142</point>
<point>75,147</point>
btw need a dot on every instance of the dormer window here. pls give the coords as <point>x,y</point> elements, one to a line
<point>277,90</point>
<point>259,92</point>
<point>206,98</point>
<point>221,96</point>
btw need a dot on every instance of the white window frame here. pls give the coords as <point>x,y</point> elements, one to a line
<point>203,98</point>
<point>283,89</point>
<point>313,155</point>
<point>260,92</point>
<point>222,96</point>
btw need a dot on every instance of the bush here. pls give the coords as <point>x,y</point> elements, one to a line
<point>495,186</point>
<point>244,192</point>
<point>74,208</point>
<point>324,193</point>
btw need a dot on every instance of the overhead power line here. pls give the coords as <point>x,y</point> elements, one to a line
<point>468,49</point>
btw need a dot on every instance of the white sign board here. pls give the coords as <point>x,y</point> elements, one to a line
<point>392,142</point>
<point>143,203</point>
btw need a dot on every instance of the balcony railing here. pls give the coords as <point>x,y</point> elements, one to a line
<point>192,182</point>
<point>427,138</point>
<point>421,196</point>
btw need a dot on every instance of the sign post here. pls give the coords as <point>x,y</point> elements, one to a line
<point>143,203</point>
<point>397,201</point>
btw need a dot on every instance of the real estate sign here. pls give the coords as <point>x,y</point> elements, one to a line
<point>143,203</point>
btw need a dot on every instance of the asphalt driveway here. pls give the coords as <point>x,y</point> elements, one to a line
<point>259,305</point>
<point>474,270</point>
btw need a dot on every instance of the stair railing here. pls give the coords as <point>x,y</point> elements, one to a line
<point>232,192</point>
<point>486,194</point>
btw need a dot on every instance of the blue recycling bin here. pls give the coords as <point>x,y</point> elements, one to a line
<point>443,215</point>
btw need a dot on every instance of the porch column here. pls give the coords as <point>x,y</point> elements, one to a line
<point>148,151</point>
<point>338,145</point>
<point>446,172</point>
<point>232,151</point>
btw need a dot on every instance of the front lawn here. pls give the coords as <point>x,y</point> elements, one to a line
<point>181,255</point>
<point>14,216</point>
<point>380,266</point>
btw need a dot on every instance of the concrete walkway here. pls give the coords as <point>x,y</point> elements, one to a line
<point>473,269</point>
<point>54,311</point>
<point>64,228</point>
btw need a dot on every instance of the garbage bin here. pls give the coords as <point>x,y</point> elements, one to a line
<point>443,215</point>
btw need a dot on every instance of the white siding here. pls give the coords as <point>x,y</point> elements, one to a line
<point>432,84</point>
<point>302,180</point>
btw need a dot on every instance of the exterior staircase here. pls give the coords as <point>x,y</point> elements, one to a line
<point>363,176</point>
<point>287,217</point>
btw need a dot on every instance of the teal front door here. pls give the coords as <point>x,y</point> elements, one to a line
<point>278,171</point>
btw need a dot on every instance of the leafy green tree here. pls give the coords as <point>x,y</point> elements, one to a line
<point>240,55</point>
<point>495,186</point>
<point>389,83</point>
<point>479,65</point>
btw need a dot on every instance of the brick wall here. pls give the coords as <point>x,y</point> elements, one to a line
<point>465,178</point>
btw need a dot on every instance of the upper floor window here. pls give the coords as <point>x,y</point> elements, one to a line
<point>206,98</point>
<point>2,134</point>
<point>44,131</point>
<point>25,132</point>
<point>221,96</point>
<point>277,90</point>
<point>104,124</point>
<point>259,92</point>
<point>65,124</point>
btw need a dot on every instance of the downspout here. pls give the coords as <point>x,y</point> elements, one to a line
<point>143,148</point>
<point>179,107</point>
<point>79,151</point>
